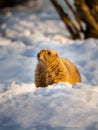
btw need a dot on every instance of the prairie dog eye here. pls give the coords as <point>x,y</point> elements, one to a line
<point>49,53</point>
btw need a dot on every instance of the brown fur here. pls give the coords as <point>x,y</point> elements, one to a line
<point>51,68</point>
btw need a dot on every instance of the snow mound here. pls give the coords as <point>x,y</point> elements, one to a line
<point>15,90</point>
<point>55,107</point>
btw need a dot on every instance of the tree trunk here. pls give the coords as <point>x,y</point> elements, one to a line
<point>88,11</point>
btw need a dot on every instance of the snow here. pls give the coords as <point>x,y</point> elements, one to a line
<point>59,106</point>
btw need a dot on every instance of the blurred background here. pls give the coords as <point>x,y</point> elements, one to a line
<point>23,4</point>
<point>79,17</point>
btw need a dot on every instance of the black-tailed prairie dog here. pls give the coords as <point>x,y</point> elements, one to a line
<point>51,69</point>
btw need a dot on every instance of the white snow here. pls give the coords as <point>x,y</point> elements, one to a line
<point>60,106</point>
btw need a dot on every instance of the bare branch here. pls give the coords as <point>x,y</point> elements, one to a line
<point>70,24</point>
<point>74,13</point>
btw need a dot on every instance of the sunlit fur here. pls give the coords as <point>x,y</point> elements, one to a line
<point>51,68</point>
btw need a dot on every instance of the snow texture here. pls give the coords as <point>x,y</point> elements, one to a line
<point>59,106</point>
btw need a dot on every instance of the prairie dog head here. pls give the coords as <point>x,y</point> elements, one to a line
<point>47,56</point>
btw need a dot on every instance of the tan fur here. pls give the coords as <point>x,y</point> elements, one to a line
<point>51,68</point>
